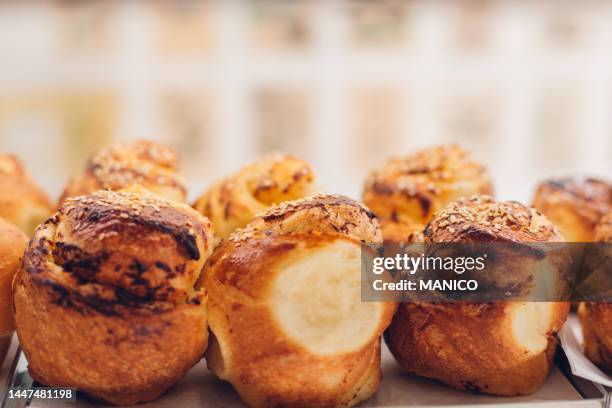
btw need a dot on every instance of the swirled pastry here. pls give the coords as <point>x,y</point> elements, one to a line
<point>150,165</point>
<point>234,201</point>
<point>405,192</point>
<point>22,201</point>
<point>574,205</point>
<point>106,299</point>
<point>285,312</point>
<point>596,317</point>
<point>12,244</point>
<point>500,348</point>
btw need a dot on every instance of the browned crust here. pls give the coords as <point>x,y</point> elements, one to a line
<point>575,205</point>
<point>596,320</point>
<point>22,201</point>
<point>12,245</point>
<point>596,317</point>
<point>233,201</point>
<point>409,190</point>
<point>603,232</point>
<point>106,299</point>
<point>468,346</point>
<point>151,165</point>
<point>257,353</point>
<point>471,346</point>
<point>483,219</point>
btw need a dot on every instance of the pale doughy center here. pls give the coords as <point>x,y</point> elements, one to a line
<point>531,322</point>
<point>316,300</point>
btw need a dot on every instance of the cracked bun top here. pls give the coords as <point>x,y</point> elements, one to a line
<point>484,219</point>
<point>152,165</point>
<point>321,214</point>
<point>411,189</point>
<point>115,250</point>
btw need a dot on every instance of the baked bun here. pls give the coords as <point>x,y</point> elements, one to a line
<point>574,205</point>
<point>22,201</point>
<point>234,201</point>
<point>12,245</point>
<point>288,327</point>
<point>405,192</point>
<point>603,232</point>
<point>500,348</point>
<point>151,165</point>
<point>106,299</point>
<point>596,317</point>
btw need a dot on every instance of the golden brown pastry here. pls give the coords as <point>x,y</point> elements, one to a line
<point>500,348</point>
<point>12,245</point>
<point>106,299</point>
<point>574,205</point>
<point>285,313</point>
<point>596,317</point>
<point>22,201</point>
<point>151,165</point>
<point>405,192</point>
<point>234,201</point>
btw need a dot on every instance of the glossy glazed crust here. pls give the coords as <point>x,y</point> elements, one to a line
<point>105,300</point>
<point>249,347</point>
<point>574,205</point>
<point>407,191</point>
<point>473,346</point>
<point>234,201</point>
<point>151,165</point>
<point>12,245</point>
<point>22,201</point>
<point>596,318</point>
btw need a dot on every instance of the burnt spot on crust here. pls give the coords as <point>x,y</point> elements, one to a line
<point>108,301</point>
<point>425,203</point>
<point>77,261</point>
<point>471,386</point>
<point>164,267</point>
<point>85,281</point>
<point>113,212</point>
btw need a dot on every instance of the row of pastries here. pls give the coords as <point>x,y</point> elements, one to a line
<point>123,287</point>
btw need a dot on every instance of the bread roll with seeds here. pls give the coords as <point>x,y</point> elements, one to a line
<point>499,348</point>
<point>22,201</point>
<point>150,165</point>
<point>12,245</point>
<point>234,201</point>
<point>596,317</point>
<point>574,205</point>
<point>107,301</point>
<point>285,313</point>
<point>405,192</point>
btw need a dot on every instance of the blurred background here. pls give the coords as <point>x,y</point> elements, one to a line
<point>526,85</point>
